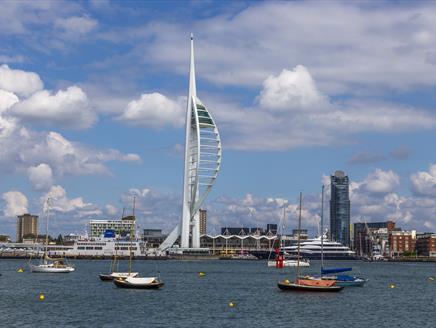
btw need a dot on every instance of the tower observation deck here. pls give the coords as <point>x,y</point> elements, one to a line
<point>202,163</point>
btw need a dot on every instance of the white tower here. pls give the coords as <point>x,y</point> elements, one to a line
<point>202,164</point>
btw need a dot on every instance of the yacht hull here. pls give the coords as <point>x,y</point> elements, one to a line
<point>289,263</point>
<point>126,284</point>
<point>116,275</point>
<point>303,288</point>
<point>50,269</point>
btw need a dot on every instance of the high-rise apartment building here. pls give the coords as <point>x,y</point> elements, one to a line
<point>203,222</point>
<point>27,225</point>
<point>340,208</point>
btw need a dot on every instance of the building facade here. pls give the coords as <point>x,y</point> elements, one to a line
<point>402,242</point>
<point>203,221</point>
<point>372,236</point>
<point>27,226</point>
<point>426,244</point>
<point>340,208</point>
<point>124,227</point>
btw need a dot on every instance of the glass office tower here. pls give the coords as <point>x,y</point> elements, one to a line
<point>340,208</point>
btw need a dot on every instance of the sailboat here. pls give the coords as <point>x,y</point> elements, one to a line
<point>114,274</point>
<point>302,284</point>
<point>134,281</point>
<point>331,274</point>
<point>47,264</point>
<point>280,255</point>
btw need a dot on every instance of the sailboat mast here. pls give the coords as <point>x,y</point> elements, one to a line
<point>131,236</point>
<point>46,228</point>
<point>299,233</point>
<point>322,228</point>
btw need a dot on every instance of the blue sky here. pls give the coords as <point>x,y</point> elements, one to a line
<point>93,94</point>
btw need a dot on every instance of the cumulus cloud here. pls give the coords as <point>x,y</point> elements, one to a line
<point>111,210</point>
<point>16,203</point>
<point>424,183</point>
<point>381,181</point>
<point>19,82</point>
<point>41,176</point>
<point>68,107</point>
<point>75,26</point>
<point>7,99</point>
<point>21,148</point>
<point>153,110</point>
<point>292,90</point>
<point>59,202</point>
<point>317,122</point>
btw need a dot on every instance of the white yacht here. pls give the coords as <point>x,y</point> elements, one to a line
<point>48,264</point>
<point>311,249</point>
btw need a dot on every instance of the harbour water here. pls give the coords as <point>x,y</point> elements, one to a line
<point>80,299</point>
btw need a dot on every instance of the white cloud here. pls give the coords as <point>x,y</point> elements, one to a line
<point>111,210</point>
<point>41,176</point>
<point>356,48</point>
<point>19,82</point>
<point>68,108</point>
<point>424,183</point>
<point>7,99</point>
<point>292,90</point>
<point>75,26</point>
<point>381,181</point>
<point>59,202</point>
<point>303,123</point>
<point>16,204</point>
<point>153,110</point>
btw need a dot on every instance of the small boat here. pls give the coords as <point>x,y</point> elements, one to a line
<point>290,263</point>
<point>117,275</point>
<point>306,285</point>
<point>130,279</point>
<point>309,285</point>
<point>47,264</point>
<point>332,274</point>
<point>52,266</point>
<point>139,283</point>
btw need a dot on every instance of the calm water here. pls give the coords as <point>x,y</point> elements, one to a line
<point>80,299</point>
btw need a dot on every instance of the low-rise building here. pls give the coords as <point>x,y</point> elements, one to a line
<point>426,244</point>
<point>402,242</point>
<point>123,227</point>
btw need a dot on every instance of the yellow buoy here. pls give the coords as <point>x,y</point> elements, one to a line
<point>20,270</point>
<point>392,286</point>
<point>201,274</point>
<point>231,304</point>
<point>41,297</point>
<point>286,281</point>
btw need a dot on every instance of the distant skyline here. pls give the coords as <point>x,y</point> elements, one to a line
<point>93,97</point>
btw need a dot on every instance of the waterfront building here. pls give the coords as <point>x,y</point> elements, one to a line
<point>426,244</point>
<point>340,208</point>
<point>233,244</point>
<point>256,231</point>
<point>303,234</point>
<point>4,239</point>
<point>153,237</point>
<point>203,221</point>
<point>372,237</point>
<point>202,164</point>
<point>27,226</point>
<point>235,231</point>
<point>271,229</point>
<point>97,228</point>
<point>402,242</point>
